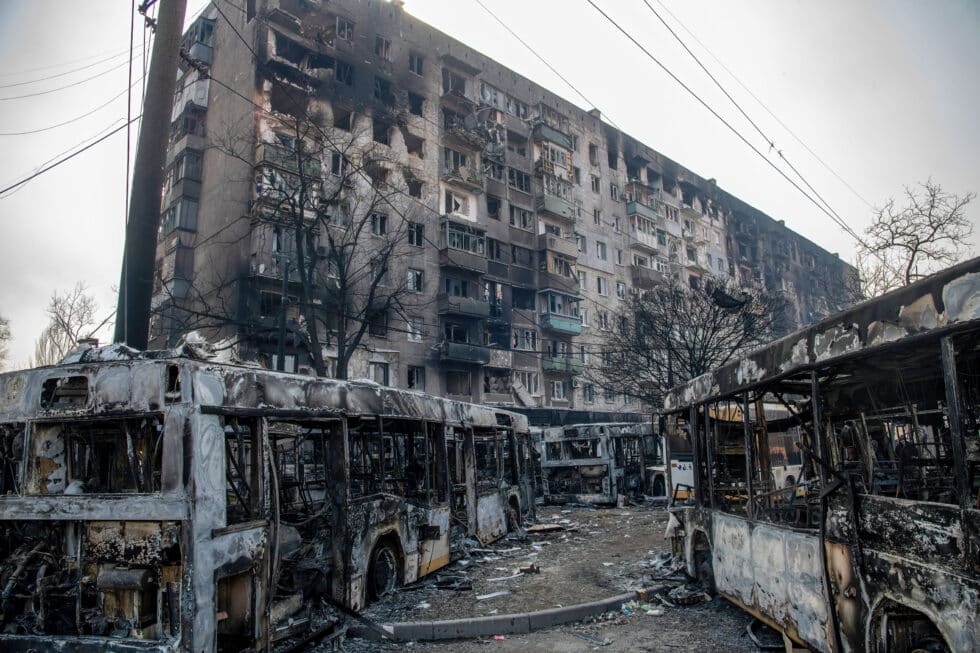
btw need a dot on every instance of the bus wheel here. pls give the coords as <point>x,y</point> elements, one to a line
<point>383,572</point>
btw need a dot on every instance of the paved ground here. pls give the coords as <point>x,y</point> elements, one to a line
<point>599,553</point>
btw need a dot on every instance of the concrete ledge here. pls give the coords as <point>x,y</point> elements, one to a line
<point>503,624</point>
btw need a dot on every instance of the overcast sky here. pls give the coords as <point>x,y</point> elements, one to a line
<point>886,93</point>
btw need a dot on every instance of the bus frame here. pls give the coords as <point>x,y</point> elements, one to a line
<point>877,548</point>
<point>159,501</point>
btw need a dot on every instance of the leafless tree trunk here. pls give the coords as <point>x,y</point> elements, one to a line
<point>905,243</point>
<point>71,318</point>
<point>671,334</point>
<point>340,216</point>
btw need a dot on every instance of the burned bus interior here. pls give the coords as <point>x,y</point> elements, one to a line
<point>159,501</point>
<point>873,541</point>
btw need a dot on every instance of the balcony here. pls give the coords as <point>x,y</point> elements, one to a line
<point>553,281</point>
<point>472,139</point>
<point>571,325</point>
<point>465,177</point>
<point>555,206</point>
<point>279,157</point>
<point>562,365</point>
<point>502,359</point>
<point>451,305</point>
<point>566,247</point>
<point>462,260</point>
<point>544,132</point>
<point>463,352</point>
<point>639,208</point>
<point>644,241</point>
<point>645,278</point>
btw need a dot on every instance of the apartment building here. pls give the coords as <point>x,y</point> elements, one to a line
<point>527,221</point>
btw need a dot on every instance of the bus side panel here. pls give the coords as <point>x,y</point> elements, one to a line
<point>434,553</point>
<point>774,572</point>
<point>491,517</point>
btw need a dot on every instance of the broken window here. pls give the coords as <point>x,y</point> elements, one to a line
<point>345,29</point>
<point>488,462</point>
<point>416,378</point>
<point>521,218</point>
<point>415,104</point>
<point>415,145</point>
<point>416,234</point>
<point>345,73</point>
<point>414,187</point>
<point>415,63</point>
<point>458,383</point>
<point>382,47</point>
<point>382,132</point>
<point>243,479</point>
<point>518,180</point>
<point>453,83</point>
<point>378,372</point>
<point>342,118</point>
<point>104,457</point>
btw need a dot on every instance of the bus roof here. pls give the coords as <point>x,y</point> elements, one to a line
<point>120,379</point>
<point>937,305</point>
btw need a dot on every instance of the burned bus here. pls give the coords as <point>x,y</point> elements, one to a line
<point>593,463</point>
<point>875,546</point>
<point>164,502</point>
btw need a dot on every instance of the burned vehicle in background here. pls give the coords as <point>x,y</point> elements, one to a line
<point>875,546</point>
<point>152,501</point>
<point>593,463</point>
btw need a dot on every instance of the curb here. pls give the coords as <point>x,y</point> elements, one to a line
<point>503,624</point>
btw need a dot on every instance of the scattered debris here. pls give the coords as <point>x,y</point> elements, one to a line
<point>591,639</point>
<point>530,569</point>
<point>492,595</point>
<point>545,528</point>
<point>511,577</point>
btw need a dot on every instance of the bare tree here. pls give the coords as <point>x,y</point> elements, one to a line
<point>335,210</point>
<point>5,337</point>
<point>905,243</point>
<point>71,317</point>
<point>670,334</point>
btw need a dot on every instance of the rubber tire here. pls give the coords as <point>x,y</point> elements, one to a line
<point>383,571</point>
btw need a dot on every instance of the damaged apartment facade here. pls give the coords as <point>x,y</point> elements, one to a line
<point>526,222</point>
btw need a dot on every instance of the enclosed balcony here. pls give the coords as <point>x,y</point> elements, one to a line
<point>562,365</point>
<point>556,207</point>
<point>463,352</point>
<point>638,208</point>
<point>466,306</point>
<point>566,247</point>
<point>560,282</point>
<point>462,260</point>
<point>645,278</point>
<point>543,131</point>
<point>644,241</point>
<point>567,324</point>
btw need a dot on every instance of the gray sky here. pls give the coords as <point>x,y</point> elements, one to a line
<point>884,92</point>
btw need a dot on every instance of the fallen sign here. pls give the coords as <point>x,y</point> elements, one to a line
<point>545,528</point>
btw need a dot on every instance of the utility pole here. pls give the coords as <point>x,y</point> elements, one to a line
<point>143,222</point>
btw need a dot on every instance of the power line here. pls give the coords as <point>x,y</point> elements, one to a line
<point>67,158</point>
<point>72,120</point>
<point>763,105</point>
<point>67,72</point>
<point>541,59</point>
<point>687,88</point>
<point>58,65</point>
<point>765,137</point>
<point>66,86</point>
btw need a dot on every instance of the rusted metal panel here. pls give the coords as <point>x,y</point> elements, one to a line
<point>776,571</point>
<point>941,302</point>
